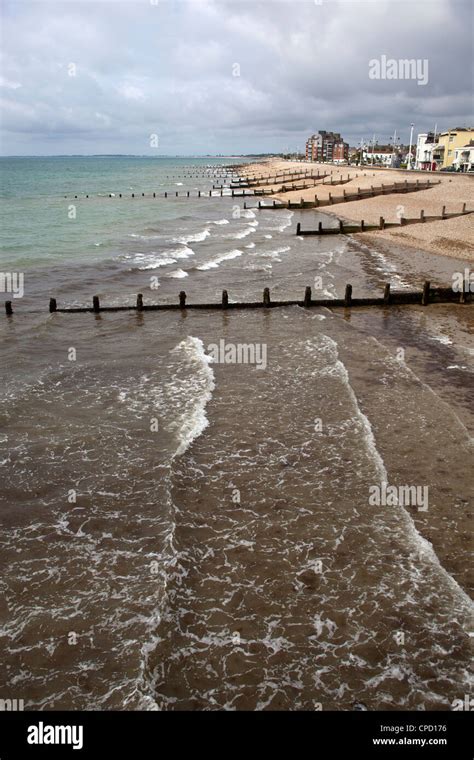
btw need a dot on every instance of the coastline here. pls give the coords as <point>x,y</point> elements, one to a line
<point>451,237</point>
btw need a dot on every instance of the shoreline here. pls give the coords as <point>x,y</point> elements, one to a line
<point>451,237</point>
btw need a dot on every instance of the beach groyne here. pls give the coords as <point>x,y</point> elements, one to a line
<point>427,295</point>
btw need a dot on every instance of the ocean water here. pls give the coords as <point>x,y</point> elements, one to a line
<point>178,532</point>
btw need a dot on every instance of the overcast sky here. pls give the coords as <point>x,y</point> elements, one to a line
<point>101,76</point>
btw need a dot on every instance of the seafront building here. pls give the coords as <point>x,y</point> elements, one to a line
<point>424,151</point>
<point>464,157</point>
<point>327,146</point>
<point>444,151</point>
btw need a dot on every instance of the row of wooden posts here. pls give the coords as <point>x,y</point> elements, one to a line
<point>344,229</point>
<point>390,298</point>
<point>403,187</point>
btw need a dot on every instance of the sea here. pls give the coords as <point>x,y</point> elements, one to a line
<point>185,528</point>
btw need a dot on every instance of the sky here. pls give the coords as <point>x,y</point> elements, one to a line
<point>190,77</point>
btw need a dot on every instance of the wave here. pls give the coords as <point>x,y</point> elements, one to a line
<point>192,396</point>
<point>241,233</point>
<point>177,274</point>
<point>197,237</point>
<point>220,221</point>
<point>214,263</point>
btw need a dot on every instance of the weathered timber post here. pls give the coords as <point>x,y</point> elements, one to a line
<point>402,221</point>
<point>139,302</point>
<point>341,226</point>
<point>133,195</point>
<point>381,223</point>
<point>422,216</point>
<point>362,225</point>
<point>266,297</point>
<point>426,293</point>
<point>320,227</point>
<point>154,195</point>
<point>344,194</point>
<point>463,207</point>
<point>182,299</point>
<point>386,294</point>
<point>96,304</point>
<point>307,296</point>
<point>8,308</point>
<point>330,198</point>
<point>166,194</point>
<point>348,295</point>
<point>443,212</point>
<point>52,305</point>
<point>225,299</point>
<point>188,194</point>
<point>298,228</point>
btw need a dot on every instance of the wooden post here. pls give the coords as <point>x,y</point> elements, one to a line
<point>381,223</point>
<point>298,228</point>
<point>139,302</point>
<point>225,299</point>
<point>8,308</point>
<point>443,212</point>
<point>330,198</point>
<point>182,299</point>
<point>402,221</point>
<point>52,305</point>
<point>348,295</point>
<point>341,226</point>
<point>362,225</point>
<point>166,194</point>
<point>266,297</point>
<point>307,296</point>
<point>463,207</point>
<point>320,227</point>
<point>344,194</point>
<point>426,293</point>
<point>96,304</point>
<point>188,194</point>
<point>422,216</point>
<point>386,293</point>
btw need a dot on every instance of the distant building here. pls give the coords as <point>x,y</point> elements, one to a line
<point>464,157</point>
<point>327,146</point>
<point>378,154</point>
<point>444,151</point>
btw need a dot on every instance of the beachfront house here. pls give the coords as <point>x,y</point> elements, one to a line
<point>444,151</point>
<point>424,151</point>
<point>464,157</point>
<point>382,155</point>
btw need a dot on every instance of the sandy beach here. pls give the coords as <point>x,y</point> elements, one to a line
<point>452,237</point>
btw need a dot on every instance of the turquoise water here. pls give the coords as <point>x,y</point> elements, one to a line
<point>38,225</point>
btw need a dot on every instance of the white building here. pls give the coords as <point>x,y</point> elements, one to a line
<point>378,157</point>
<point>464,158</point>
<point>424,151</point>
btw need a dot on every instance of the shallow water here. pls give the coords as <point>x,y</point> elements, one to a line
<point>180,533</point>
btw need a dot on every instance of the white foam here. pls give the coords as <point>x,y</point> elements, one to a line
<point>214,263</point>
<point>241,233</point>
<point>220,221</point>
<point>197,237</point>
<point>193,420</point>
<point>177,274</point>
